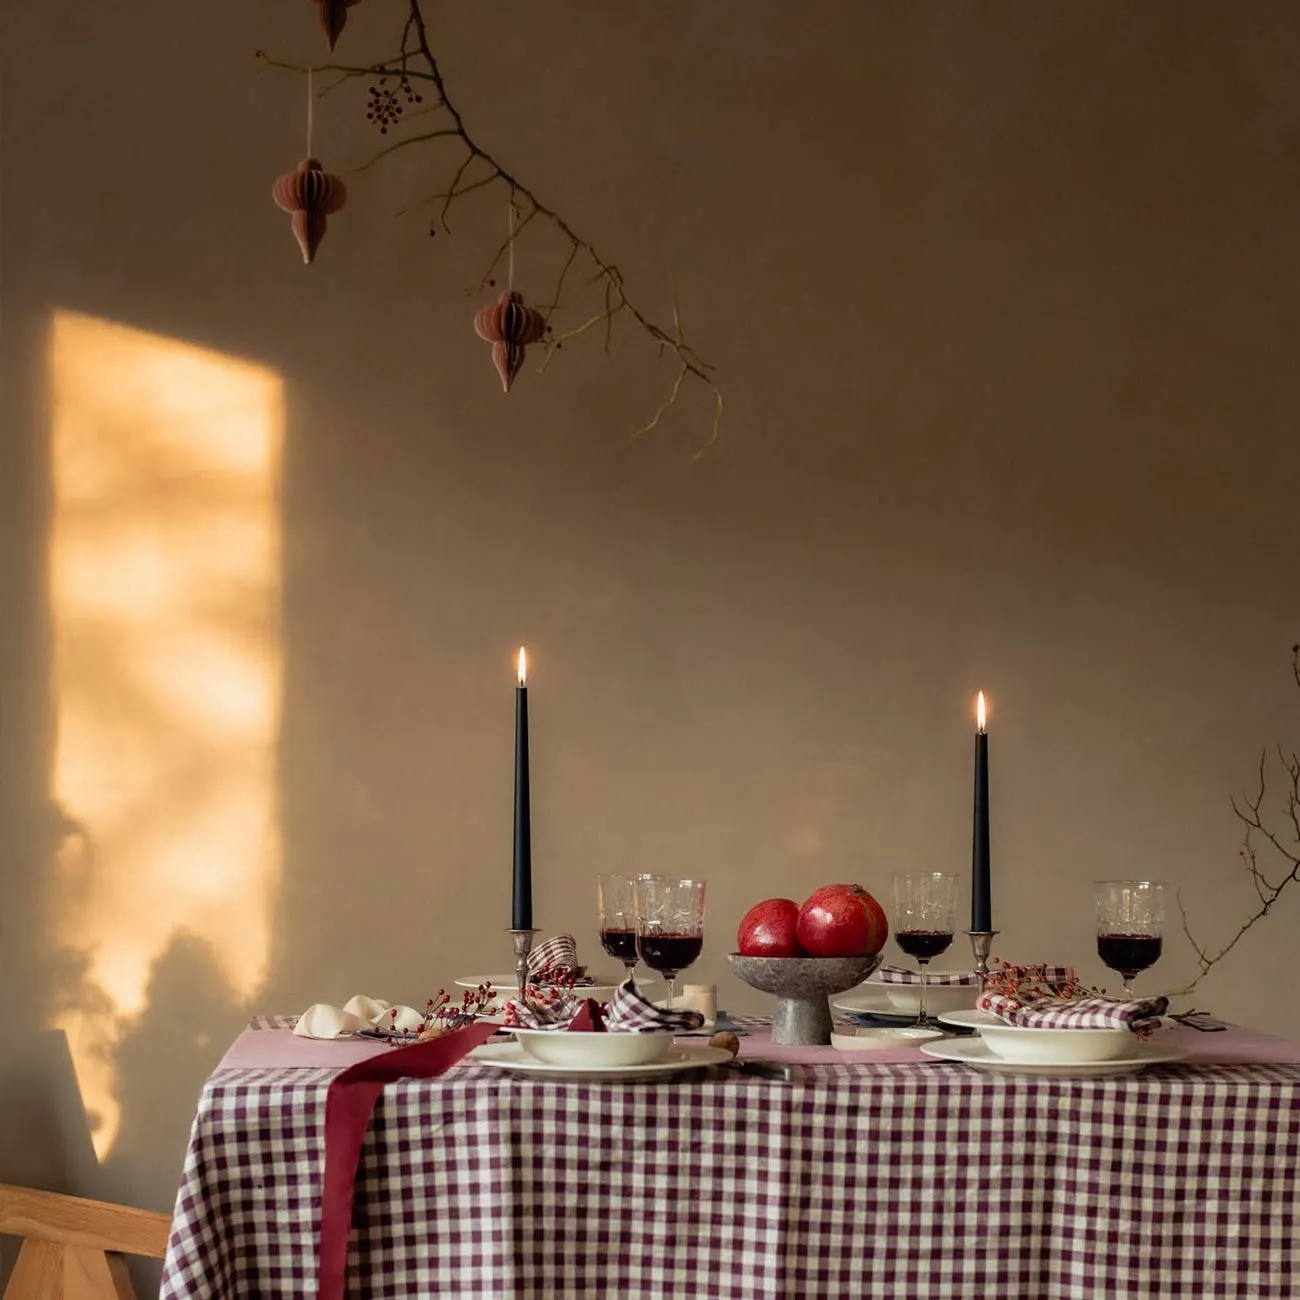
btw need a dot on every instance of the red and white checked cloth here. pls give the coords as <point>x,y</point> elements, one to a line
<point>1142,1015</point>
<point>557,954</point>
<point>880,1182</point>
<point>626,1012</point>
<point>938,978</point>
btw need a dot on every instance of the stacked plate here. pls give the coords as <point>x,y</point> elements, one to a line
<point>1009,1049</point>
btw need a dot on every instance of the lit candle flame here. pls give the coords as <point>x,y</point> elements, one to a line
<point>979,710</point>
<point>523,669</point>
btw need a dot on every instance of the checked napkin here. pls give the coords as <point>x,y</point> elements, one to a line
<point>901,975</point>
<point>1051,997</point>
<point>626,1012</point>
<point>556,962</point>
<point>1141,1015</point>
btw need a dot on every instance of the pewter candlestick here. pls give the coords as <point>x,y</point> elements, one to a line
<point>522,940</point>
<point>981,942</point>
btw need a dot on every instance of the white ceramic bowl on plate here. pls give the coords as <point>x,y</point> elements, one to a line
<point>905,998</point>
<point>564,1047</point>
<point>1045,1046</point>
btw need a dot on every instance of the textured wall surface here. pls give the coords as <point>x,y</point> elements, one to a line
<point>1004,299</point>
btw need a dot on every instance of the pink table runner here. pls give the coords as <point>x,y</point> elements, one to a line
<point>280,1048</point>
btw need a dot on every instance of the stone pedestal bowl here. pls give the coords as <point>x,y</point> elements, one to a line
<point>802,986</point>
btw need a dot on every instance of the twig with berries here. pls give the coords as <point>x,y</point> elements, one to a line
<point>387,101</point>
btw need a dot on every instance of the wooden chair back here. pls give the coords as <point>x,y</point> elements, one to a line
<point>72,1248</point>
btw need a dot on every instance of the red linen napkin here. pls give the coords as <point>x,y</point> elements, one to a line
<point>348,1107</point>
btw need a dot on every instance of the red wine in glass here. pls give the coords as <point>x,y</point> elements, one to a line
<point>924,944</point>
<point>620,944</point>
<point>669,954</point>
<point>1129,953</point>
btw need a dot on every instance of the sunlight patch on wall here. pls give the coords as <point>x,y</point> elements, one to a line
<point>164,596</point>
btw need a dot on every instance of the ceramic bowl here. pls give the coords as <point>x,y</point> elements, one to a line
<point>905,998</point>
<point>563,1047</point>
<point>1055,1046</point>
<point>801,984</point>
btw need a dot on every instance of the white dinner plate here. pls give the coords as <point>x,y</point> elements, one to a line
<point>871,1000</point>
<point>512,1057</point>
<point>508,985</point>
<point>971,1051</point>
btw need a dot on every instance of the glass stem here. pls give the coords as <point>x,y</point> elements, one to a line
<point>1128,988</point>
<point>920,1010</point>
<point>672,990</point>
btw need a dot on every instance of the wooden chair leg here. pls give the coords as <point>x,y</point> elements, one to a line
<point>38,1274</point>
<point>89,1274</point>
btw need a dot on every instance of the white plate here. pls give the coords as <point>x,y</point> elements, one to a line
<point>508,985</point>
<point>871,1000</point>
<point>510,1056</point>
<point>878,1040</point>
<point>904,999</point>
<point>971,1051</point>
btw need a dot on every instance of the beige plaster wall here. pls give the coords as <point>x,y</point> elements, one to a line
<point>1004,302</point>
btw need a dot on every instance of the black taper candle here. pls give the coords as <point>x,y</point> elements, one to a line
<point>521,911</point>
<point>981,905</point>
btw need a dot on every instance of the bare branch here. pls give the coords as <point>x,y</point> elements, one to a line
<point>1250,812</point>
<point>414,47</point>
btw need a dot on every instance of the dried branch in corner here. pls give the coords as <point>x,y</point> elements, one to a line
<point>413,76</point>
<point>1276,833</point>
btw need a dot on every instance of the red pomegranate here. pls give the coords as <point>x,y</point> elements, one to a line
<point>841,921</point>
<point>768,929</point>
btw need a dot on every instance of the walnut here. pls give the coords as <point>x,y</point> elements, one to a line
<point>727,1041</point>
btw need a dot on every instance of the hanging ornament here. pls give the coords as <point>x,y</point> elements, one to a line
<point>510,325</point>
<point>333,17</point>
<point>310,193</point>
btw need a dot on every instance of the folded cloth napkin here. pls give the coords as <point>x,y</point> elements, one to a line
<point>555,961</point>
<point>1142,1015</point>
<point>349,1101</point>
<point>901,975</point>
<point>626,1012</point>
<point>324,1021</point>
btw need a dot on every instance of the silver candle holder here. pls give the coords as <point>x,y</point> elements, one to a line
<point>981,942</point>
<point>522,942</point>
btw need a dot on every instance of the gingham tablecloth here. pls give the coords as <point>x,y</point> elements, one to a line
<point>859,1179</point>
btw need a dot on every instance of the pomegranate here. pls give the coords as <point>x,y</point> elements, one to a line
<point>768,929</point>
<point>841,921</point>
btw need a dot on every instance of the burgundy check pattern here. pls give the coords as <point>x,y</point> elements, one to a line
<point>558,953</point>
<point>901,975</point>
<point>859,1180</point>
<point>626,1012</point>
<point>1141,1015</point>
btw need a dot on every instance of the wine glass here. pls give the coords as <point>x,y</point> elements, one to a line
<point>617,900</point>
<point>669,925</point>
<point>1130,925</point>
<point>925,908</point>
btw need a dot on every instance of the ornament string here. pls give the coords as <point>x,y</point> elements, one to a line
<point>311,112</point>
<point>510,242</point>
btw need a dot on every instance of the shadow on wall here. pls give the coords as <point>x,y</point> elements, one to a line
<point>141,907</point>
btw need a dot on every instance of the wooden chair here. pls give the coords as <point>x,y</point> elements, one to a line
<point>72,1248</point>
